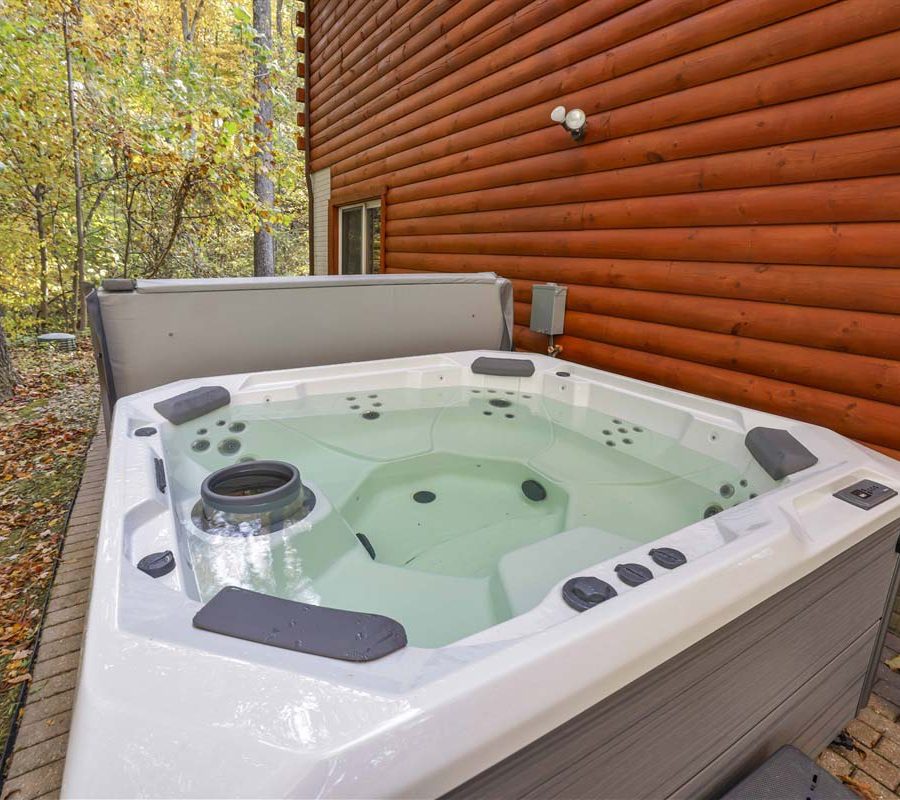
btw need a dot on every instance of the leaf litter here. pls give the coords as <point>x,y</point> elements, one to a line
<point>45,429</point>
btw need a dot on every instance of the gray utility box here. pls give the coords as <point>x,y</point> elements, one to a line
<point>548,308</point>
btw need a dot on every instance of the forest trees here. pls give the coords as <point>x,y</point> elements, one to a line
<point>128,149</point>
<point>7,371</point>
<point>263,124</point>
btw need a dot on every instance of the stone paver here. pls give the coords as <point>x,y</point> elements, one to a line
<point>51,708</point>
<point>48,667</point>
<point>871,789</point>
<point>44,780</point>
<point>862,733</point>
<point>37,755</point>
<point>874,765</point>
<point>36,768</point>
<point>42,730</point>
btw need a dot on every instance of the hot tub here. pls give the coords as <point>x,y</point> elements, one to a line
<point>479,573</point>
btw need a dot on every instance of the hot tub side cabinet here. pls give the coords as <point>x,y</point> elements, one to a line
<point>793,670</point>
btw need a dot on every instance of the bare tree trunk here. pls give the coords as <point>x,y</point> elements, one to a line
<point>40,223</point>
<point>186,33</point>
<point>78,279</point>
<point>279,29</point>
<point>8,376</point>
<point>263,243</point>
<point>129,225</point>
<point>188,22</point>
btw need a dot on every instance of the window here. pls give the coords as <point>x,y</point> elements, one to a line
<point>360,238</point>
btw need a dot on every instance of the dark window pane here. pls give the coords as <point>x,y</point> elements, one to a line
<point>373,245</point>
<point>351,241</point>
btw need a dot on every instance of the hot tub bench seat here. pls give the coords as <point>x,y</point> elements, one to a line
<point>561,555</point>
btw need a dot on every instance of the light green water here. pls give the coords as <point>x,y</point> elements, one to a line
<point>480,551</point>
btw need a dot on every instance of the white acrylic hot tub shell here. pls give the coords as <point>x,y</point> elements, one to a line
<point>166,710</point>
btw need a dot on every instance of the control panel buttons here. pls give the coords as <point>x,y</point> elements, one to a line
<point>866,494</point>
<point>585,592</point>
<point>667,557</point>
<point>633,574</point>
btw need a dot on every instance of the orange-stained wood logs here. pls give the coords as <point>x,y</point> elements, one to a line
<point>872,61</point>
<point>867,108</point>
<point>851,416</point>
<point>829,329</point>
<point>875,244</point>
<point>730,224</point>
<point>792,38</point>
<point>861,376</point>
<point>854,200</point>
<point>850,288</point>
<point>832,158</point>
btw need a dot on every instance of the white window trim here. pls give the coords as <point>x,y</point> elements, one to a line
<point>321,214</point>
<point>366,267</point>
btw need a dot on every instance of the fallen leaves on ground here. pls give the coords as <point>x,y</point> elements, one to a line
<point>45,429</point>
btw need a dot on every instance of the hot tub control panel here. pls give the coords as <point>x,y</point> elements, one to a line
<point>866,494</point>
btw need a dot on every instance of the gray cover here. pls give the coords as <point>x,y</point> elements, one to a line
<point>790,774</point>
<point>101,351</point>
<point>778,452</point>
<point>507,367</point>
<point>119,285</point>
<point>192,404</point>
<point>168,330</point>
<point>317,630</point>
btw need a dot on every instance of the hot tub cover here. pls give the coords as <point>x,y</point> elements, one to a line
<point>151,332</point>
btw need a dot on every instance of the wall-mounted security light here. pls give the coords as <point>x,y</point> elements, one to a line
<point>574,121</point>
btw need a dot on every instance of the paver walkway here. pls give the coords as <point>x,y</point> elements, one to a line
<point>35,770</point>
<point>871,764</point>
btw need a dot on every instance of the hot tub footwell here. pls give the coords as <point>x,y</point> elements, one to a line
<point>793,670</point>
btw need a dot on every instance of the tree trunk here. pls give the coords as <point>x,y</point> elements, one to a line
<point>186,33</point>
<point>279,29</point>
<point>129,225</point>
<point>188,22</point>
<point>8,376</point>
<point>80,314</point>
<point>41,224</point>
<point>263,243</point>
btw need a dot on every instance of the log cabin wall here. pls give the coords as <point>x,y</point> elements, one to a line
<point>730,224</point>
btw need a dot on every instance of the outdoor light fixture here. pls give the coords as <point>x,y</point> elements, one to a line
<point>574,121</point>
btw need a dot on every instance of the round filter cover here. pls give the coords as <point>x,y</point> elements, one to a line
<point>633,574</point>
<point>668,557</point>
<point>585,592</point>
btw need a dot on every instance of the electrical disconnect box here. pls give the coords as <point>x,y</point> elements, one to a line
<point>548,308</point>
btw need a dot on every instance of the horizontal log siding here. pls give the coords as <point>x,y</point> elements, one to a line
<point>730,225</point>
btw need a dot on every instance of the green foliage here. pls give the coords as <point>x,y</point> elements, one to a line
<point>167,149</point>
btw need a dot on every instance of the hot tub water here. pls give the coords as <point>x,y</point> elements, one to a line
<point>449,510</point>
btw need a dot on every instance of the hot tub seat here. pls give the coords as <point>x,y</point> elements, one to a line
<point>524,572</point>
